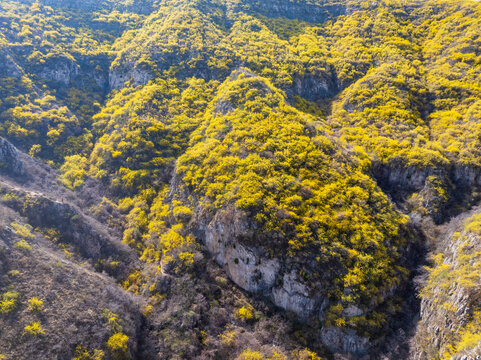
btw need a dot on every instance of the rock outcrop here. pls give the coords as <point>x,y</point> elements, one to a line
<point>118,75</point>
<point>59,70</point>
<point>313,87</point>
<point>10,162</point>
<point>301,10</point>
<point>348,342</point>
<point>403,179</point>
<point>450,307</point>
<point>430,190</point>
<point>138,6</point>
<point>253,270</point>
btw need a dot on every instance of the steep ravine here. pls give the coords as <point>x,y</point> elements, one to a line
<point>449,289</point>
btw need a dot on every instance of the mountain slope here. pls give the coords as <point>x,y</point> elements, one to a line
<point>230,165</point>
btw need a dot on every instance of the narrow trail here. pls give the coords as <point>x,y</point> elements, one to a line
<point>15,187</point>
<point>100,228</point>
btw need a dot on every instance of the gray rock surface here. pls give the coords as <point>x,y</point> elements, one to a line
<point>295,296</point>
<point>226,237</point>
<point>302,10</point>
<point>251,269</point>
<point>10,162</point>
<point>245,266</point>
<point>344,341</point>
<point>61,70</point>
<point>118,75</point>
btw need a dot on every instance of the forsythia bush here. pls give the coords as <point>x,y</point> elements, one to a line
<point>8,302</point>
<point>34,328</point>
<point>35,304</point>
<point>118,345</point>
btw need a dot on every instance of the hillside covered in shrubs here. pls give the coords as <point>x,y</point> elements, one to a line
<point>240,179</point>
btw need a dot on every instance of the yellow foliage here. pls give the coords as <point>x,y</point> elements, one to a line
<point>228,337</point>
<point>35,304</point>
<point>176,247</point>
<point>35,329</point>
<point>8,301</point>
<point>22,245</point>
<point>81,353</point>
<point>24,231</point>
<point>305,355</point>
<point>250,355</point>
<point>118,345</point>
<point>74,171</point>
<point>245,313</point>
<point>113,321</point>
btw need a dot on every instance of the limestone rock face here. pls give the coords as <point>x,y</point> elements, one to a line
<point>466,175</point>
<point>301,10</point>
<point>246,266</point>
<point>339,341</point>
<point>228,238</point>
<point>9,159</point>
<point>295,296</point>
<point>435,187</point>
<point>61,70</point>
<point>313,86</point>
<point>406,178</point>
<point>253,270</point>
<point>449,303</point>
<point>118,75</point>
<point>352,311</point>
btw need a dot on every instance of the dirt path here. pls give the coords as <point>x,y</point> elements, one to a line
<point>94,223</point>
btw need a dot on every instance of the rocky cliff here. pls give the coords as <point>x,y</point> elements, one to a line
<point>139,6</point>
<point>279,279</point>
<point>311,11</point>
<point>449,325</point>
<point>10,163</point>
